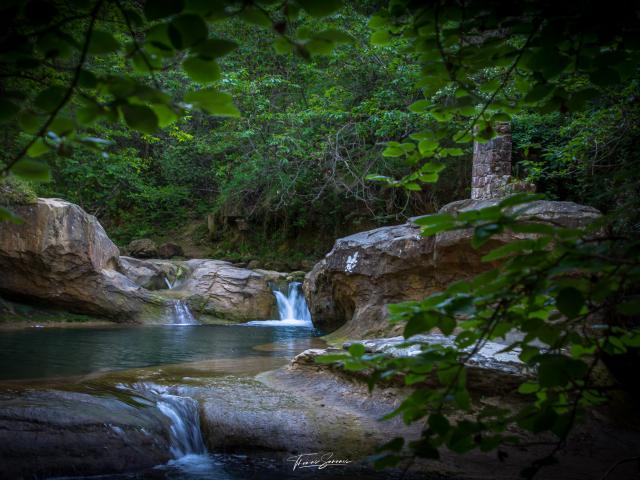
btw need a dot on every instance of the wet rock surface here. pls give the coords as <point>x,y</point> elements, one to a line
<point>46,433</point>
<point>363,273</point>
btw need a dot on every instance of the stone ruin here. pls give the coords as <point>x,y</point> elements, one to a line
<point>491,174</point>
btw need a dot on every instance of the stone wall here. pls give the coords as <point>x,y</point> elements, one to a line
<point>491,172</point>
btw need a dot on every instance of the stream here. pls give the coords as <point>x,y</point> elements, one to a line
<point>156,364</point>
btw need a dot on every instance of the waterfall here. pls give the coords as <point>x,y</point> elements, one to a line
<point>186,437</point>
<point>292,308</point>
<point>181,312</point>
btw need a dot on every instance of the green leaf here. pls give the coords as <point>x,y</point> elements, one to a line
<point>439,423</point>
<point>357,349</point>
<point>213,101</point>
<point>558,370</point>
<point>8,110</point>
<point>334,35</point>
<point>509,249</point>
<point>426,146</point>
<point>187,30</point>
<point>381,37</point>
<point>394,445</point>
<point>320,8</point>
<point>38,148</point>
<point>325,359</point>
<point>420,106</point>
<point>214,48</point>
<point>140,117</point>
<point>166,116</point>
<point>49,99</point>
<point>538,92</point>
<point>484,232</point>
<point>201,70</point>
<point>33,170</point>
<point>393,152</point>
<point>570,301</point>
<point>155,9</point>
<point>102,42</point>
<point>528,387</point>
<point>7,215</point>
<point>255,16</point>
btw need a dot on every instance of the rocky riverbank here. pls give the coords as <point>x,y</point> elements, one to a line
<point>363,273</point>
<point>60,256</point>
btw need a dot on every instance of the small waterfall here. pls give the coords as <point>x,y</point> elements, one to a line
<point>181,311</point>
<point>292,309</point>
<point>293,306</point>
<point>186,437</point>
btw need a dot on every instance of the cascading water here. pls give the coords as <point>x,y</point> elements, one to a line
<point>186,437</point>
<point>181,311</point>
<point>292,308</point>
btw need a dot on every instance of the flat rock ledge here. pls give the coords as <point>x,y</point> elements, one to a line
<point>489,369</point>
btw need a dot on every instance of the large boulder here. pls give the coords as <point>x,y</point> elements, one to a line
<point>51,433</point>
<point>228,292</point>
<point>363,273</point>
<point>150,274</point>
<point>62,256</point>
<point>143,248</point>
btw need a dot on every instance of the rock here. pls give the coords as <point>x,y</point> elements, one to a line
<point>225,291</point>
<point>307,265</point>
<point>62,256</point>
<point>170,250</point>
<point>143,248</point>
<point>150,274</point>
<point>352,285</point>
<point>298,410</point>
<point>253,264</point>
<point>51,433</point>
<point>489,370</point>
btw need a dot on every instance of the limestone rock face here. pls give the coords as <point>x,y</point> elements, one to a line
<point>228,292</point>
<point>364,272</point>
<point>61,255</point>
<point>143,248</point>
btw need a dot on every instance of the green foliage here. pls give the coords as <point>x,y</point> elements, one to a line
<point>295,160</point>
<point>85,64</point>
<point>589,156</point>
<point>482,64</point>
<point>574,306</point>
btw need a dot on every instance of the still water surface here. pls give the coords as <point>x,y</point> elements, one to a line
<point>39,353</point>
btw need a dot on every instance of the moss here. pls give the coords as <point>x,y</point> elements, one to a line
<point>14,191</point>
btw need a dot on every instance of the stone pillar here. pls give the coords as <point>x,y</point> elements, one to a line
<point>492,165</point>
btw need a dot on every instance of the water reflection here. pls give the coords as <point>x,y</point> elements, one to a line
<point>47,353</point>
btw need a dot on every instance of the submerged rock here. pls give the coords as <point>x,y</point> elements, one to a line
<point>365,272</point>
<point>49,433</point>
<point>62,256</point>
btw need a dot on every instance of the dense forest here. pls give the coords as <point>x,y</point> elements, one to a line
<point>496,144</point>
<point>295,163</point>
